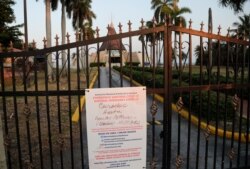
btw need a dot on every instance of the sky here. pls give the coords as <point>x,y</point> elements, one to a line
<point>121,11</point>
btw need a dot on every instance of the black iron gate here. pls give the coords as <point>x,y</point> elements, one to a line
<point>197,86</point>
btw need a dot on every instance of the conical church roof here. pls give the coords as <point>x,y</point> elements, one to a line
<point>112,44</point>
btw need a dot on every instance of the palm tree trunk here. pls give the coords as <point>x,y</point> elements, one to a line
<point>48,35</point>
<point>175,53</point>
<point>63,27</point>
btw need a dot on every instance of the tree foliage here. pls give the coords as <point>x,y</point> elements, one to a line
<point>82,15</point>
<point>165,8</point>
<point>162,8</point>
<point>8,33</point>
<point>243,26</point>
<point>236,5</point>
<point>223,54</point>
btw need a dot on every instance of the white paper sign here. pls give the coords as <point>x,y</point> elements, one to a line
<point>116,127</point>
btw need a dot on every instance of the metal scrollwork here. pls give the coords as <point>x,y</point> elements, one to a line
<point>28,164</point>
<point>153,164</point>
<point>27,111</point>
<point>207,132</point>
<point>7,142</point>
<point>60,141</point>
<point>236,101</point>
<point>231,154</point>
<point>178,162</point>
<point>154,108</point>
<point>179,104</point>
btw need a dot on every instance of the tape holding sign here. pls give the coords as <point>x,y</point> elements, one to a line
<point>116,127</point>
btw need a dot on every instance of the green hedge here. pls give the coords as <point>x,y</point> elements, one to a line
<point>208,108</point>
<point>196,79</point>
<point>94,64</point>
<point>134,64</point>
<point>200,102</point>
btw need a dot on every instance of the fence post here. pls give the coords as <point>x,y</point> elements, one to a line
<point>2,149</point>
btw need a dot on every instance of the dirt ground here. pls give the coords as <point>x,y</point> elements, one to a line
<point>38,124</point>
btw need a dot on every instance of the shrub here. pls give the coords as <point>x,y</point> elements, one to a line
<point>94,64</point>
<point>136,64</point>
<point>200,104</point>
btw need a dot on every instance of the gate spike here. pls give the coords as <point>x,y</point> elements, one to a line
<point>202,24</point>
<point>22,45</point>
<point>154,21</point>
<point>190,24</point>
<point>165,20</point>
<point>33,44</point>
<point>76,36</point>
<point>67,36</point>
<point>219,28</point>
<point>228,30</point>
<point>86,37</point>
<point>169,20</point>
<point>120,27</point>
<point>244,33</point>
<point>129,25</point>
<point>56,38</point>
<point>11,46</point>
<point>237,34</point>
<point>44,42</point>
<point>97,32</point>
<point>142,23</point>
<point>180,24</point>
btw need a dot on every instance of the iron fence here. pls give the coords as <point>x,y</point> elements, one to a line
<point>198,110</point>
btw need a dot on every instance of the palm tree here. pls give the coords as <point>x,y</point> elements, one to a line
<point>169,7</point>
<point>162,9</point>
<point>243,26</point>
<point>165,8</point>
<point>153,39</point>
<point>63,33</point>
<point>176,14</point>
<point>243,30</point>
<point>177,18</point>
<point>49,5</point>
<point>81,12</point>
<point>82,19</point>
